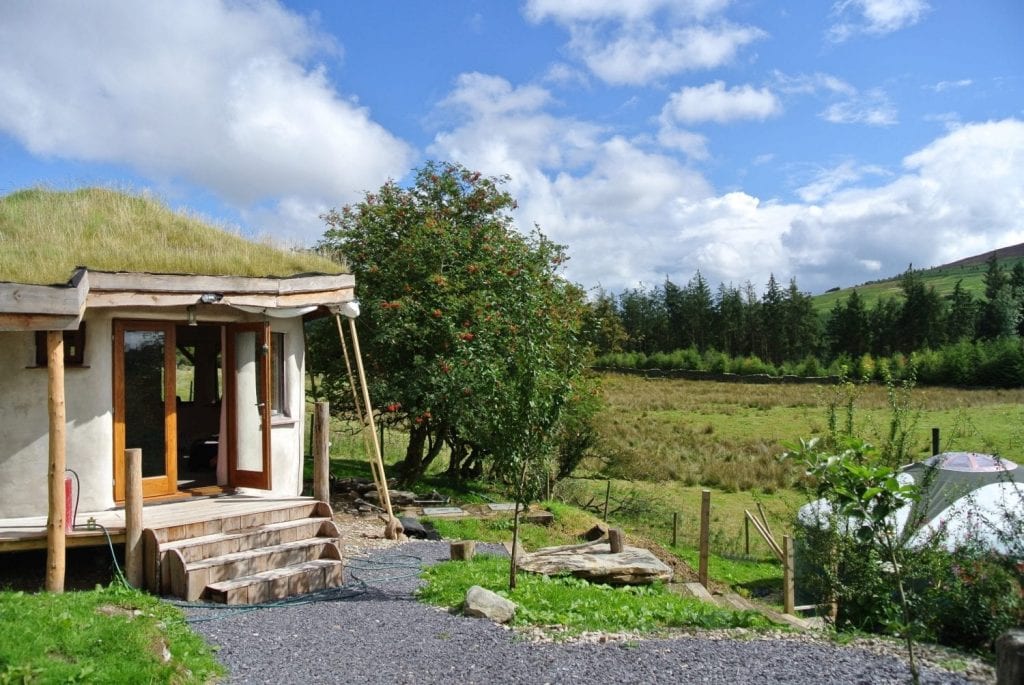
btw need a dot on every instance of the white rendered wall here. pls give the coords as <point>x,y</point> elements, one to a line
<point>24,423</point>
<point>24,428</point>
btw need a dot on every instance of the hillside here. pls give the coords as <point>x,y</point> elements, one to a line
<point>943,278</point>
<point>45,234</point>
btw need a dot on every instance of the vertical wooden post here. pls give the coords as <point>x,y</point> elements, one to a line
<point>55,535</point>
<point>133,557</point>
<point>788,586</point>
<point>321,452</point>
<point>607,495</point>
<point>615,541</point>
<point>675,528</point>
<point>935,441</point>
<point>746,536</point>
<point>705,536</point>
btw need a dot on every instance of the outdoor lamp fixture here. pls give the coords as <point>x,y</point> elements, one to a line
<point>191,311</point>
<point>350,309</point>
<point>211,298</point>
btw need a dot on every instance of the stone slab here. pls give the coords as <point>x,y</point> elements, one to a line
<point>444,511</point>
<point>502,506</point>
<point>595,562</point>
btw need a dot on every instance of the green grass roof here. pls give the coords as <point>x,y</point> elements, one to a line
<point>45,234</point>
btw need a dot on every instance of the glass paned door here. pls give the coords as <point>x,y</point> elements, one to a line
<point>248,375</point>
<point>144,404</point>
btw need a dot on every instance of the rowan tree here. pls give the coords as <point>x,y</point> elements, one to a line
<point>470,335</point>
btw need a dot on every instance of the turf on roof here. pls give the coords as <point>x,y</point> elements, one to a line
<point>45,234</point>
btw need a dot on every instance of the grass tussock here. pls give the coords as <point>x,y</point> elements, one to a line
<point>45,234</point>
<point>730,435</point>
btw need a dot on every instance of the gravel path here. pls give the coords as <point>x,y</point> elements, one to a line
<point>383,635</point>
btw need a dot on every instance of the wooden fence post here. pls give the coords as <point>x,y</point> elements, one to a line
<point>607,495</point>
<point>705,536</point>
<point>133,557</point>
<point>55,534</point>
<point>788,586</point>
<point>321,452</point>
<point>746,536</point>
<point>614,540</point>
<point>675,528</point>
<point>935,441</point>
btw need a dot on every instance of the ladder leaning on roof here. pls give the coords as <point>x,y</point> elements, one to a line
<point>361,400</point>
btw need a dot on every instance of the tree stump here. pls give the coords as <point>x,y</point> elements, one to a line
<point>462,550</point>
<point>615,540</point>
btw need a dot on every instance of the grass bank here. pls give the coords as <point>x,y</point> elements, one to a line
<point>110,635</point>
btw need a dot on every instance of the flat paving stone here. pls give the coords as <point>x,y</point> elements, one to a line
<point>444,511</point>
<point>501,506</point>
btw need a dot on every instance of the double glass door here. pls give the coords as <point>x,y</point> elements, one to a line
<point>146,401</point>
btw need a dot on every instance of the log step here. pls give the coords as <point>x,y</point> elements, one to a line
<point>217,544</point>
<point>309,576</point>
<point>188,580</point>
<point>287,511</point>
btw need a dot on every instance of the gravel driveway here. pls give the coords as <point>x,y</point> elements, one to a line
<point>383,635</point>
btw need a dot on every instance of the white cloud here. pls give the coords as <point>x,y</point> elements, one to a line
<point>872,108</point>
<point>570,11</point>
<point>637,42</point>
<point>640,53</point>
<point>827,181</point>
<point>221,95</point>
<point>876,17</point>
<point>809,84</point>
<point>948,85</point>
<point>694,145</point>
<point>630,215</point>
<point>714,102</point>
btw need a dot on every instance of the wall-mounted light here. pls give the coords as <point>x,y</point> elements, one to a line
<point>191,311</point>
<point>350,309</point>
<point>211,298</point>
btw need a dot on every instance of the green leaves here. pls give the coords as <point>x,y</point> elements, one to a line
<point>466,324</point>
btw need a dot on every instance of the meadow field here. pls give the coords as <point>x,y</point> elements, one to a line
<point>731,435</point>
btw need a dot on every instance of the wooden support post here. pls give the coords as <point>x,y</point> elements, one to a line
<point>788,585</point>
<point>705,536</point>
<point>133,553</point>
<point>462,550</point>
<point>935,441</point>
<point>321,452</point>
<point>55,534</point>
<point>746,536</point>
<point>607,496</point>
<point>615,540</point>
<point>675,528</point>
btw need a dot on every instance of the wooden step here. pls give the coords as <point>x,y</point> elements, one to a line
<point>309,576</point>
<point>189,579</point>
<point>193,549</point>
<point>230,522</point>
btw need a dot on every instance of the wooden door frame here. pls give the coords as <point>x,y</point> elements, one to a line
<point>153,486</point>
<point>236,477</point>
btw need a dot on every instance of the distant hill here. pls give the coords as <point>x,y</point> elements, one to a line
<point>943,278</point>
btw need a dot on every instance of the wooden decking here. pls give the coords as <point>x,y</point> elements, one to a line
<point>30,532</point>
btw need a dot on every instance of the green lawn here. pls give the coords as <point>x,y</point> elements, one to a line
<point>111,635</point>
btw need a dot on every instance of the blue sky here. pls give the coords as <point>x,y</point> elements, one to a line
<point>833,142</point>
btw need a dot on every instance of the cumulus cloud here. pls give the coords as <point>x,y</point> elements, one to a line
<point>623,44</point>
<point>226,96</point>
<point>715,102</point>
<point>875,17</point>
<point>631,215</point>
<point>948,85</point>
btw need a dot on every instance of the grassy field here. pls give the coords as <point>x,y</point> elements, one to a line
<point>730,435</point>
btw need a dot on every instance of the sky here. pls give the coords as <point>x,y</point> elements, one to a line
<point>831,142</point>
